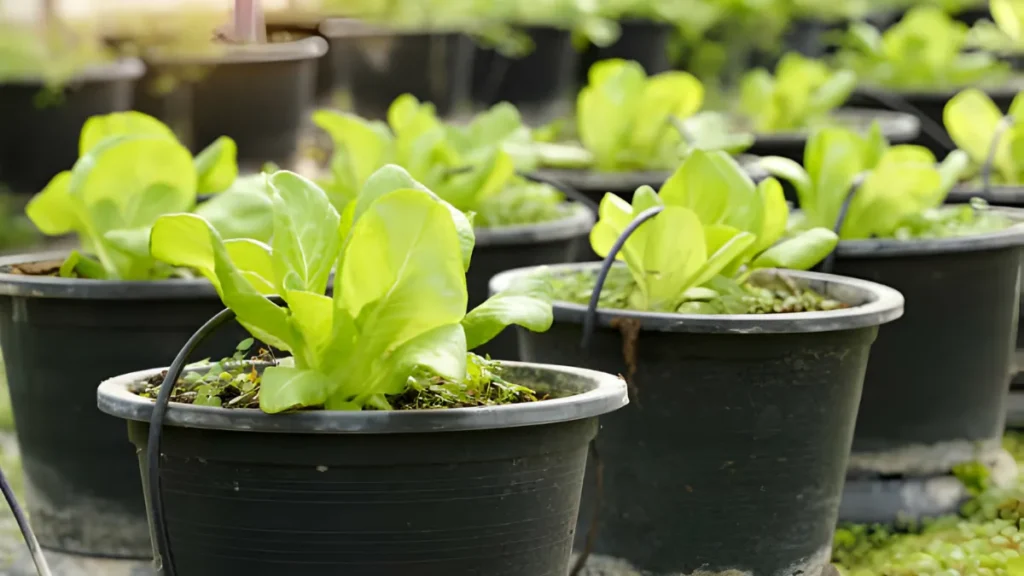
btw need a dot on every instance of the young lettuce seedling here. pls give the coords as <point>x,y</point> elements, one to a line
<point>473,167</point>
<point>629,121</point>
<point>131,170</point>
<point>973,119</point>
<point>926,50</point>
<point>900,183</point>
<point>1005,32</point>
<point>802,93</point>
<point>400,256</point>
<point>715,222</point>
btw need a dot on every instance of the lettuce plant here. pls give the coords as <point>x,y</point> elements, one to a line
<point>1004,33</point>
<point>473,167</point>
<point>802,92</point>
<point>628,121</point>
<point>398,311</point>
<point>926,50</point>
<point>131,170</point>
<point>973,119</point>
<point>900,186</point>
<point>716,222</point>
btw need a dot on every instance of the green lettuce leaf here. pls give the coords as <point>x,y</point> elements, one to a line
<point>399,303</point>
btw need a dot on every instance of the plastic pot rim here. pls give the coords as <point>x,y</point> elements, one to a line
<point>890,248</point>
<point>341,28</point>
<point>309,48</point>
<point>589,180</point>
<point>120,69</point>
<point>603,393</point>
<point>1007,89</point>
<point>577,223</point>
<point>875,305</point>
<point>997,194</point>
<point>896,126</point>
<point>26,286</point>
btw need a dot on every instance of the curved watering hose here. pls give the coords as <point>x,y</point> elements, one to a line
<point>165,558</point>
<point>932,129</point>
<point>588,328</point>
<point>829,262</point>
<point>568,191</point>
<point>606,266</point>
<point>990,157</point>
<point>42,568</point>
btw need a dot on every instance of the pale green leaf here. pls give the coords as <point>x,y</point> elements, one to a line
<point>674,253</point>
<point>791,172</point>
<point>307,234</point>
<point>775,214</point>
<point>802,252</point>
<point>391,178</point>
<point>189,241</point>
<point>254,261</point>
<point>360,146</point>
<point>244,210</point>
<point>402,275</point>
<point>313,316</point>
<point>724,257</point>
<point>216,166</point>
<point>525,303</point>
<point>129,123</point>
<point>53,210</point>
<point>283,388</point>
<point>604,108</point>
<point>440,352</point>
<point>971,118</point>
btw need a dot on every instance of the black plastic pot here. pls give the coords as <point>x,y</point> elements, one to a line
<point>539,84</point>
<point>258,94</point>
<point>928,106</point>
<point>499,249</point>
<point>972,16</point>
<point>733,451</point>
<point>643,41</point>
<point>935,394</point>
<point>1012,196</point>
<point>898,127</point>
<point>60,337</point>
<point>41,125</point>
<point>377,66</point>
<point>326,80</point>
<point>457,492</point>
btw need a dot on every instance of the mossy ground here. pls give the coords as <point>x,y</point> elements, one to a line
<point>985,539</point>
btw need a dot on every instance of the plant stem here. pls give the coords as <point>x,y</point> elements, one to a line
<point>249,25</point>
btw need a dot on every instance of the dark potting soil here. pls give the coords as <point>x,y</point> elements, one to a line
<point>748,298</point>
<point>234,383</point>
<point>47,268</point>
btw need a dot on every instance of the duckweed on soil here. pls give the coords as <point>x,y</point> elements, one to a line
<point>953,221</point>
<point>726,297</point>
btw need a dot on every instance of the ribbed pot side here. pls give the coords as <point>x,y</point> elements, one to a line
<point>733,451</point>
<point>60,338</point>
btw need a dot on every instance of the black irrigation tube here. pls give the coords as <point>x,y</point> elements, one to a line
<point>42,568</point>
<point>165,558</point>
<point>588,329</point>
<point>935,131</point>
